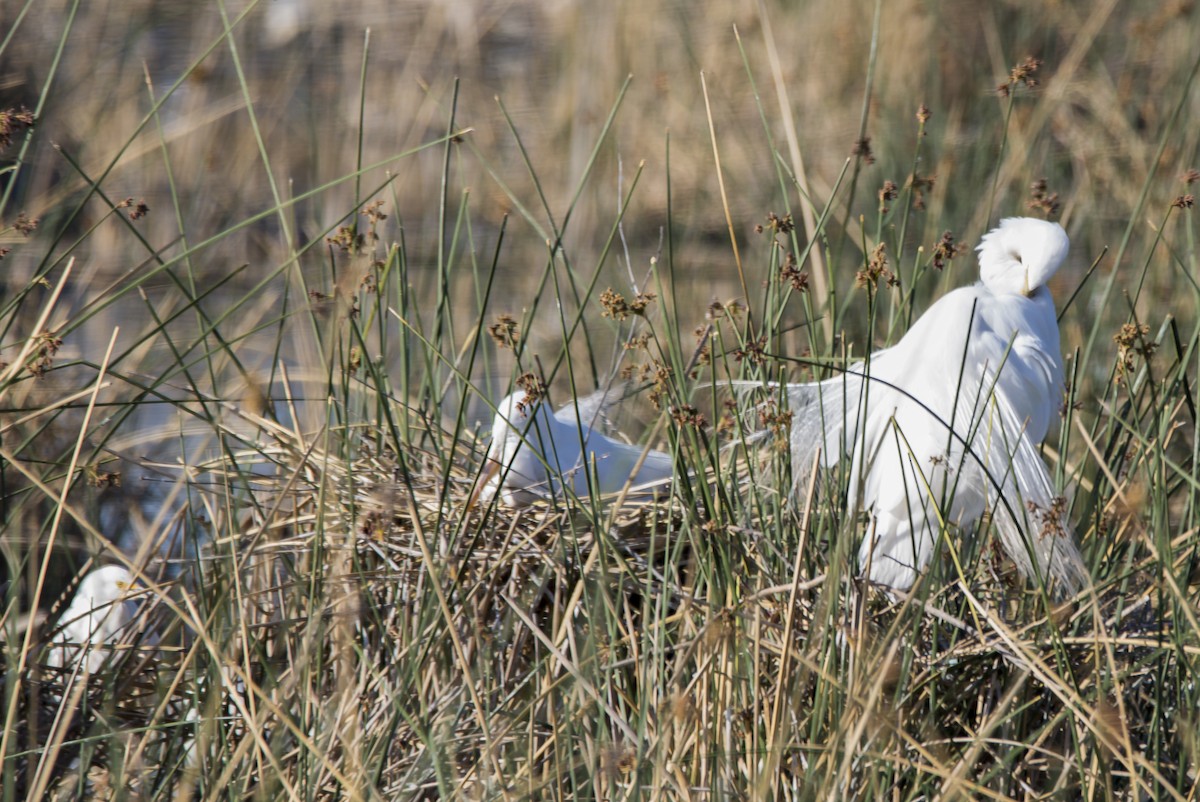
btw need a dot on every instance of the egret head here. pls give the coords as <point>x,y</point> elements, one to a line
<point>519,417</point>
<point>104,604</point>
<point>106,586</point>
<point>1021,254</point>
<point>512,419</point>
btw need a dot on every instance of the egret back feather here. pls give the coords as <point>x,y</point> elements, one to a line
<point>944,424</point>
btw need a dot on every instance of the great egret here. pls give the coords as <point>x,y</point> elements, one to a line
<point>945,423</point>
<point>535,454</point>
<point>99,616</point>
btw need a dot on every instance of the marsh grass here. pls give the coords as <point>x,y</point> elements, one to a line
<point>287,387</point>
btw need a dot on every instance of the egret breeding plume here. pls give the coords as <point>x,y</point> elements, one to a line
<point>535,454</point>
<point>99,616</point>
<point>945,423</point>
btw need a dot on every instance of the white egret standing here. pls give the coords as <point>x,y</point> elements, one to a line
<point>99,616</point>
<point>535,455</point>
<point>945,423</point>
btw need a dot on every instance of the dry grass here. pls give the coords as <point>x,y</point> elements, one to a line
<point>284,383</point>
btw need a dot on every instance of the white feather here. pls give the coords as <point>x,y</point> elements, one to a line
<point>537,454</point>
<point>99,617</point>
<point>945,423</point>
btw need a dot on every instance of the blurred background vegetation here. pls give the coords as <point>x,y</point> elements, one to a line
<point>282,117</point>
<point>1094,126</point>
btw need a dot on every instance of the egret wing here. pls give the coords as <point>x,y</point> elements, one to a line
<point>593,408</point>
<point>1030,517</point>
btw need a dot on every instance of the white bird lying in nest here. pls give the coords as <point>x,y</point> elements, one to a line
<point>98,618</point>
<point>535,455</point>
<point>946,422</point>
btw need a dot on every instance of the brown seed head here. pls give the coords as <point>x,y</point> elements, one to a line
<point>862,149</point>
<point>1132,340</point>
<point>662,382</point>
<point>688,415</point>
<point>615,305</point>
<point>1050,518</point>
<point>792,274</point>
<point>888,192</point>
<point>640,302</point>
<point>780,225</point>
<point>919,183</point>
<point>11,122</point>
<point>1021,75</point>
<point>638,343</point>
<point>43,355</point>
<point>1042,199</point>
<point>375,215</point>
<point>534,387</point>
<point>103,479</point>
<point>346,239</point>
<point>877,268</point>
<point>754,351</point>
<point>778,421</point>
<point>946,250</point>
<point>505,331</point>
<point>25,225</point>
